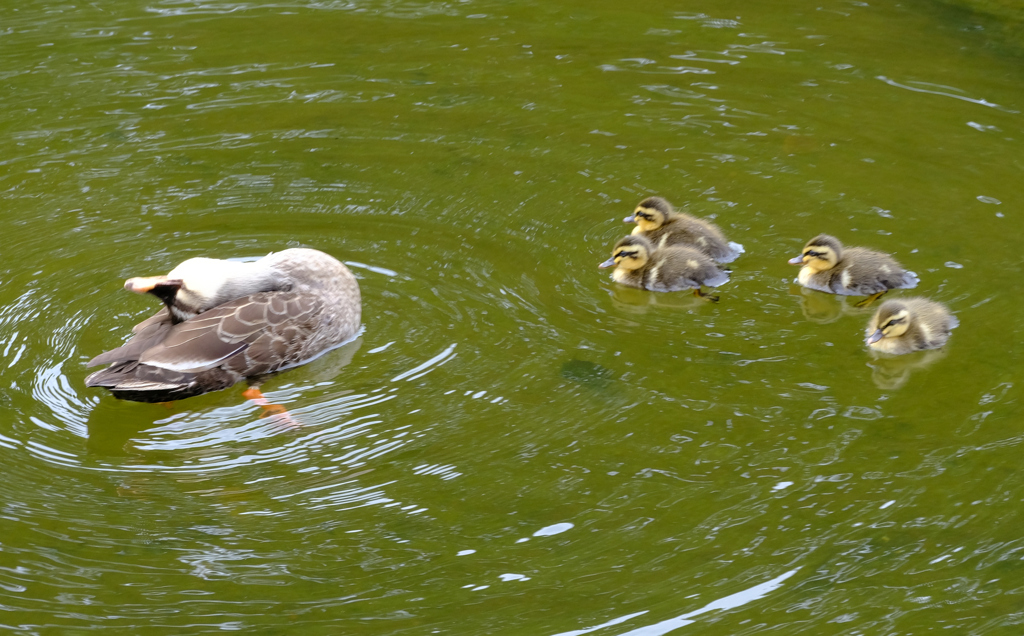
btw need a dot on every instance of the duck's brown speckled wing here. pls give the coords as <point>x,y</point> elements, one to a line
<point>257,334</point>
<point>269,329</point>
<point>162,316</point>
<point>148,333</point>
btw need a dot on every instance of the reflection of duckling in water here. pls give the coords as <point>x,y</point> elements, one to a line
<point>638,264</point>
<point>663,226</point>
<point>909,324</point>
<point>892,372</point>
<point>851,271</point>
<point>823,309</point>
<point>638,301</point>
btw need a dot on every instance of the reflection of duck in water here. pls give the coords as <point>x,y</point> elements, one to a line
<point>852,271</point>
<point>663,226</point>
<point>116,428</point>
<point>228,320</point>
<point>638,264</point>
<point>905,325</point>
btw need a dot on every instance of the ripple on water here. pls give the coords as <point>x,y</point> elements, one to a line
<point>358,407</point>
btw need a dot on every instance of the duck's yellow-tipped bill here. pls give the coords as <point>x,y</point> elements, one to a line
<point>143,284</point>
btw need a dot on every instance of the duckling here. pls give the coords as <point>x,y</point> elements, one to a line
<point>909,324</point>
<point>657,220</point>
<point>639,264</point>
<point>850,271</point>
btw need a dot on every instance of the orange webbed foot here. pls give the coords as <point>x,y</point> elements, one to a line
<point>269,410</point>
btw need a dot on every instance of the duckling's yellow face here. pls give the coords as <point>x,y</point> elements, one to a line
<point>628,257</point>
<point>886,324</point>
<point>648,219</point>
<point>817,258</point>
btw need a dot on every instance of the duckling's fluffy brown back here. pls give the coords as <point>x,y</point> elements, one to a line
<point>861,272</point>
<point>674,269</point>
<point>681,229</point>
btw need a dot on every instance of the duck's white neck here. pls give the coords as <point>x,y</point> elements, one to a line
<point>208,282</point>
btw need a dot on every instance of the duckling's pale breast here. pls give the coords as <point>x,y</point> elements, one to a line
<point>627,277</point>
<point>804,277</point>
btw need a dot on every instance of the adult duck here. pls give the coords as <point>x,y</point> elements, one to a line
<point>225,321</point>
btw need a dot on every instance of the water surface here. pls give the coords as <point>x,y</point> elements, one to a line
<point>515,445</point>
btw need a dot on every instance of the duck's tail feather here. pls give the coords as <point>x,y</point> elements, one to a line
<point>144,383</point>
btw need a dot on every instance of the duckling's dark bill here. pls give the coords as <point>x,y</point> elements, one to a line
<point>629,219</point>
<point>797,260</point>
<point>875,337</point>
<point>608,263</point>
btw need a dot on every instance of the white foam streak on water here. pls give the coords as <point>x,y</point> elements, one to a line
<point>726,603</point>
<point>964,98</point>
<point>373,268</point>
<point>426,367</point>
<point>611,623</point>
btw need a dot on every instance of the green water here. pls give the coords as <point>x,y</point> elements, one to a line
<point>515,445</point>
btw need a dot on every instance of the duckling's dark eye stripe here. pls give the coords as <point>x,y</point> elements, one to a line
<point>643,215</point>
<point>813,253</point>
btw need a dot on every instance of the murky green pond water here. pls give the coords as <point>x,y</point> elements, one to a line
<point>515,445</point>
